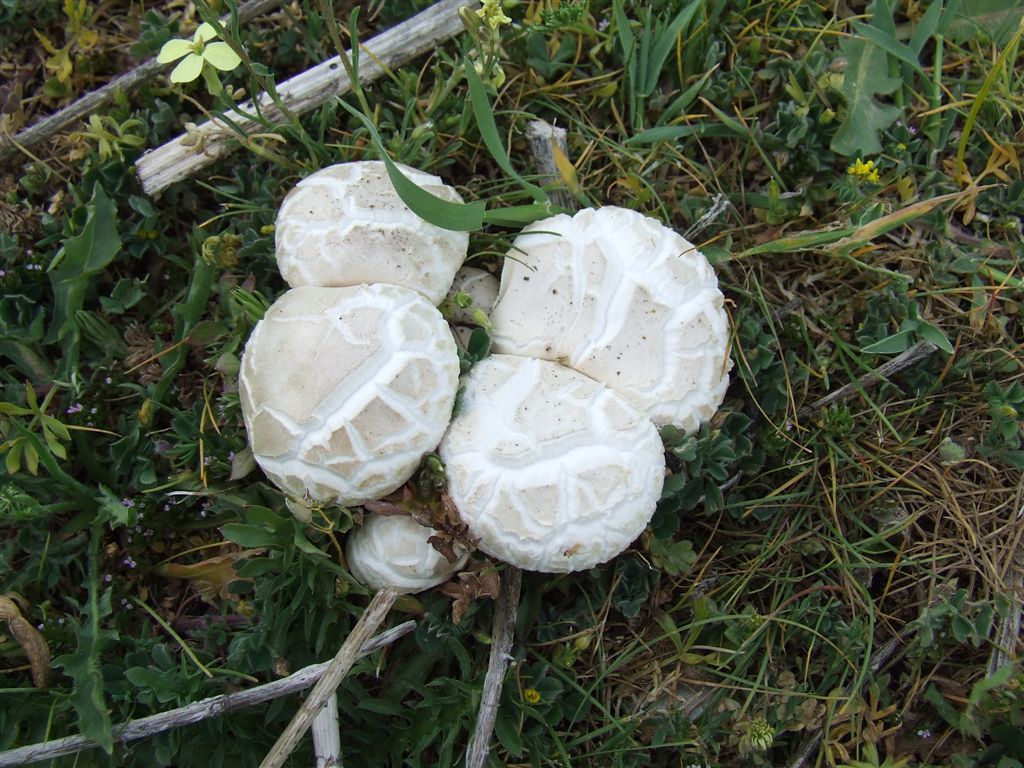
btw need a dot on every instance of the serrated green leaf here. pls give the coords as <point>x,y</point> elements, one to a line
<point>83,666</point>
<point>85,255</point>
<point>865,118</point>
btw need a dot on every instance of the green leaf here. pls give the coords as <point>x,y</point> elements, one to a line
<point>250,535</point>
<point>865,118</point>
<point>931,333</point>
<point>83,666</point>
<point>890,45</point>
<point>461,217</point>
<point>890,345</point>
<point>994,20</point>
<point>927,27</point>
<point>85,255</point>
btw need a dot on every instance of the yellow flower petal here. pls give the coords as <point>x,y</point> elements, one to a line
<point>204,33</point>
<point>174,50</point>
<point>188,70</point>
<point>221,56</point>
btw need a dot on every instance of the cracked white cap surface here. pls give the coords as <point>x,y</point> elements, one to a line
<point>346,225</point>
<point>393,551</point>
<point>551,470</point>
<point>624,299</point>
<point>344,389</point>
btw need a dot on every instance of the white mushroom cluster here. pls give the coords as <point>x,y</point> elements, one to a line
<point>607,325</point>
<point>557,466</point>
<point>350,377</point>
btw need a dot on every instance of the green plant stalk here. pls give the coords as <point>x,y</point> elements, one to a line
<point>351,64</point>
<point>266,83</point>
<point>177,638</point>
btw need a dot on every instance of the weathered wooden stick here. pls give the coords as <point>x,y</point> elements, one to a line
<point>331,679</point>
<point>502,633</point>
<point>543,138</point>
<point>904,360</point>
<point>327,735</point>
<point>85,105</point>
<point>181,157</point>
<point>214,706</point>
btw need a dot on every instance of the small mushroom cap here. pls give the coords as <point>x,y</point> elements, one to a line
<point>393,551</point>
<point>549,469</point>
<point>481,286</point>
<point>625,300</point>
<point>344,389</point>
<point>346,225</point>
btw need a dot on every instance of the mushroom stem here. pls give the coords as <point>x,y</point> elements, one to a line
<point>333,675</point>
<point>503,632</point>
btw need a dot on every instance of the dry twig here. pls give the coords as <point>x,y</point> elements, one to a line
<point>906,359</point>
<point>502,634</point>
<point>331,679</point>
<point>85,105</point>
<point>214,706</point>
<point>181,157</point>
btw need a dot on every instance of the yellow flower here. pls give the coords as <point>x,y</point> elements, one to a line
<point>531,696</point>
<point>864,170</point>
<point>197,52</point>
<point>492,14</point>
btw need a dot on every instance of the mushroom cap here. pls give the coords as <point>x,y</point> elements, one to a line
<point>393,551</point>
<point>344,389</point>
<point>550,470</point>
<point>625,300</point>
<point>346,225</point>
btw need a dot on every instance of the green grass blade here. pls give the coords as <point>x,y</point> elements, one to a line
<point>460,217</point>
<point>665,43</point>
<point>489,132</point>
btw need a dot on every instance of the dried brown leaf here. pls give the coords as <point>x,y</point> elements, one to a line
<point>30,640</point>
<point>478,581</point>
<point>212,577</point>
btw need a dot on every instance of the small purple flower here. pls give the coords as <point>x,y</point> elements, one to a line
<point>127,502</point>
<point>129,562</point>
<point>107,578</point>
<point>76,408</point>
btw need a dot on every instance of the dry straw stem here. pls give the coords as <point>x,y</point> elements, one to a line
<point>332,677</point>
<point>179,158</point>
<point>88,103</point>
<point>502,633</point>
<point>906,359</point>
<point>214,706</point>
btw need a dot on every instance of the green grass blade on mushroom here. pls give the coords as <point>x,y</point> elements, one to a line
<point>463,217</point>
